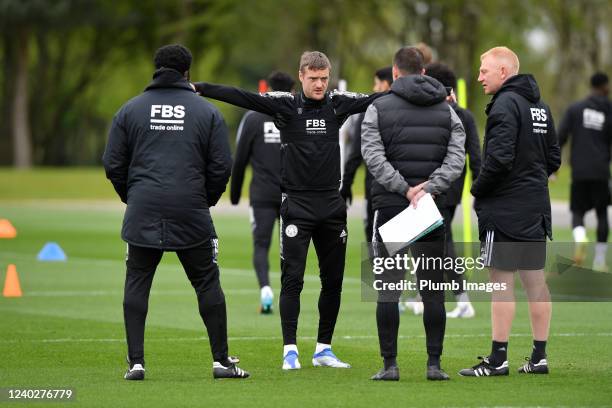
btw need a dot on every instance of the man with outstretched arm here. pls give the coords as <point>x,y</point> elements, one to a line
<point>312,207</point>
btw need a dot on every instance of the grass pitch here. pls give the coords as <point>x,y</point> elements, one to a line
<point>67,331</point>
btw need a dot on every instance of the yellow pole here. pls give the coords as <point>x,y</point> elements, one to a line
<point>466,197</point>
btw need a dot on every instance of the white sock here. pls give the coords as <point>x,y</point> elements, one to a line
<point>321,346</point>
<point>600,252</point>
<point>289,347</point>
<point>266,291</point>
<point>463,298</point>
<point>579,234</point>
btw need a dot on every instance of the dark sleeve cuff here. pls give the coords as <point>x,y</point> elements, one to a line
<point>490,173</point>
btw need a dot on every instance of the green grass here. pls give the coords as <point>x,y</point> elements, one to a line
<point>89,183</point>
<point>82,183</point>
<point>67,331</point>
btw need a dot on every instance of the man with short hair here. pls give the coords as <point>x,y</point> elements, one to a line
<point>425,51</point>
<point>589,123</point>
<point>383,78</point>
<point>169,160</point>
<point>513,205</point>
<point>311,208</point>
<point>258,143</point>
<point>446,76</point>
<point>412,142</point>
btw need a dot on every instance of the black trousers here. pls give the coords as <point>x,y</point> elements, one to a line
<point>451,276</point>
<point>368,221</point>
<point>320,217</point>
<point>262,225</point>
<point>434,314</point>
<point>201,268</point>
<point>587,194</point>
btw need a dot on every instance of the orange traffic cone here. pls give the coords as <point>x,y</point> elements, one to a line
<point>12,288</point>
<point>6,229</point>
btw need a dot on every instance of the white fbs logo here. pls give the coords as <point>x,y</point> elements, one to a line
<point>162,115</point>
<point>315,126</point>
<point>539,116</point>
<point>592,119</point>
<point>271,133</point>
<point>166,112</point>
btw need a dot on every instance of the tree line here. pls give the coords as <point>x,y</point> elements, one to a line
<point>68,65</point>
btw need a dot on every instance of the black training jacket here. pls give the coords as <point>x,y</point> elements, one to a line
<point>257,143</point>
<point>472,149</point>
<point>354,158</point>
<point>589,122</point>
<point>168,158</point>
<point>310,150</point>
<point>520,152</point>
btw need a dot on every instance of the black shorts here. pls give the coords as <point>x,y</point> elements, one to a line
<point>588,194</point>
<point>502,252</point>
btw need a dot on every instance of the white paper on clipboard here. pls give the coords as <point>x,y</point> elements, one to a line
<point>411,224</point>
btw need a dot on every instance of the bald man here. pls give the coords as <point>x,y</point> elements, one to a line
<point>513,205</point>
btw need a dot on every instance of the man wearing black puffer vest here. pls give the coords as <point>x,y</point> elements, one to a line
<point>413,144</point>
<point>513,205</point>
<point>169,160</point>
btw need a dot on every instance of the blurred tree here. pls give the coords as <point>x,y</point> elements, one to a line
<point>577,26</point>
<point>75,49</point>
<point>68,65</point>
<point>17,20</point>
<point>56,53</point>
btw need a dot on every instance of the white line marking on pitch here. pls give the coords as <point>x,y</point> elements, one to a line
<point>257,338</point>
<point>163,292</point>
<point>18,256</point>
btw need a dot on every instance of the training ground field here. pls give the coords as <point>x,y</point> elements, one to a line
<point>67,331</point>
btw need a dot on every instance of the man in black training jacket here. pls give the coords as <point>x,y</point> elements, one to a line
<point>383,78</point>
<point>589,122</point>
<point>513,205</point>
<point>446,76</point>
<point>312,207</point>
<point>258,143</point>
<point>169,160</point>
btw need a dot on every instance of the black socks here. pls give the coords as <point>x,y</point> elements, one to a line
<point>499,352</point>
<point>390,362</point>
<point>539,351</point>
<point>433,360</point>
